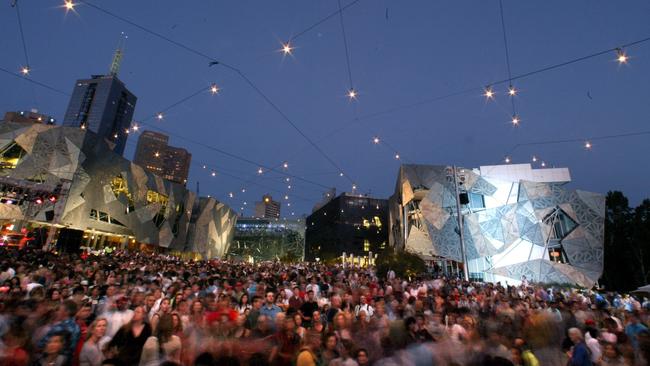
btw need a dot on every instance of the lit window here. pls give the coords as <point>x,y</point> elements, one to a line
<point>119,186</point>
<point>561,225</point>
<point>11,155</point>
<point>366,245</point>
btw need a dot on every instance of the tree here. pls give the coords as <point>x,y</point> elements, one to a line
<point>405,264</point>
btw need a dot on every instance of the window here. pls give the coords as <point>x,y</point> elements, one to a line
<point>366,245</point>
<point>561,225</point>
<point>11,155</point>
<point>155,197</point>
<point>103,216</point>
<point>119,186</point>
<point>476,201</point>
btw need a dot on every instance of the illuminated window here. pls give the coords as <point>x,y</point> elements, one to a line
<point>11,155</point>
<point>119,186</point>
<point>155,197</point>
<point>366,245</point>
<point>376,221</point>
<point>366,223</point>
<point>561,225</point>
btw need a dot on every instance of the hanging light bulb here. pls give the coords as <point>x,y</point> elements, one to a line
<point>587,145</point>
<point>285,165</point>
<point>341,174</point>
<point>512,91</point>
<point>489,93</point>
<point>352,94</point>
<point>214,174</point>
<point>115,136</point>
<point>24,70</point>
<point>160,116</point>
<point>214,89</point>
<point>375,140</point>
<point>396,156</point>
<point>543,164</point>
<point>515,120</point>
<point>289,187</point>
<point>157,154</point>
<point>243,190</point>
<point>286,197</point>
<point>126,131</point>
<point>135,127</point>
<point>287,49</point>
<point>534,158</point>
<point>231,195</point>
<point>204,166</point>
<point>621,57</point>
<point>507,160</point>
<point>354,186</point>
<point>288,179</point>
<point>288,204</point>
<point>260,171</point>
<point>69,5</point>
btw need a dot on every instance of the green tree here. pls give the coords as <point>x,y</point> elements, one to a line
<point>404,264</point>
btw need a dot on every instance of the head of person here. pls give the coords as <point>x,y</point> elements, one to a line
<point>362,357</point>
<point>165,305</point>
<point>310,295</point>
<point>263,323</point>
<point>84,311</point>
<point>197,307</point>
<point>67,309</point>
<point>330,342</point>
<point>257,302</point>
<point>610,351</point>
<point>270,298</point>
<point>97,328</point>
<point>138,314</point>
<point>575,335</point>
<point>177,324</point>
<point>165,328</point>
<point>243,300</point>
<point>55,344</point>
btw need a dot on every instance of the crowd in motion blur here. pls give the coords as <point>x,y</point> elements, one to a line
<point>136,309</point>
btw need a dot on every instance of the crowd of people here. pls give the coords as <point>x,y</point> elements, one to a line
<point>137,309</point>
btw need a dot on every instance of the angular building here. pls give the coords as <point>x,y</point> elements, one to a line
<point>103,105</point>
<point>349,224</point>
<point>104,198</point>
<point>517,221</point>
<point>156,156</point>
<point>267,208</point>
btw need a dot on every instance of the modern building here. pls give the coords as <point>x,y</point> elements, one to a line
<point>517,221</point>
<point>32,116</point>
<point>267,208</point>
<point>100,197</point>
<point>156,156</point>
<point>103,105</point>
<point>349,225</point>
<point>268,240</point>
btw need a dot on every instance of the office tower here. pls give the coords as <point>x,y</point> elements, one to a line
<point>155,155</point>
<point>267,208</point>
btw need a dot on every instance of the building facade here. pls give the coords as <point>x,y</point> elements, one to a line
<point>268,240</point>
<point>267,208</point>
<point>156,156</point>
<point>517,221</point>
<point>32,116</point>
<point>350,225</point>
<point>103,105</point>
<point>111,200</point>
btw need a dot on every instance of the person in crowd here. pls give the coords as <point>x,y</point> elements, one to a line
<point>163,345</point>
<point>92,350</point>
<point>127,343</point>
<point>579,354</point>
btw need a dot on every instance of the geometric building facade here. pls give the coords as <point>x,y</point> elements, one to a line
<point>517,221</point>
<point>259,240</point>
<point>104,195</point>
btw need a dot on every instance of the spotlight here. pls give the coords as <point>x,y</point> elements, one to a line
<point>38,200</point>
<point>52,199</point>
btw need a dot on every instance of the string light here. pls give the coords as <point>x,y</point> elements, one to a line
<point>354,186</point>
<point>289,187</point>
<point>69,5</point>
<point>285,165</point>
<point>260,171</point>
<point>621,57</point>
<point>288,204</point>
<point>214,174</point>
<point>340,174</point>
<point>352,94</point>
<point>288,179</point>
<point>126,131</point>
<point>243,190</point>
<point>515,120</point>
<point>157,154</point>
<point>286,197</point>
<point>507,160</point>
<point>543,164</point>
<point>587,145</point>
<point>375,140</point>
<point>512,91</point>
<point>231,195</point>
<point>534,158</point>
<point>396,156</point>
<point>24,70</point>
<point>115,136</point>
<point>135,127</point>
<point>489,93</point>
<point>204,167</point>
<point>287,49</point>
<point>160,116</point>
<point>214,89</point>
<point>245,203</point>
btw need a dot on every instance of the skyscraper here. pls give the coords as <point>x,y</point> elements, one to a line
<point>155,155</point>
<point>267,208</point>
<point>104,105</point>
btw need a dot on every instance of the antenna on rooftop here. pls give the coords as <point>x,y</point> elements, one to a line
<point>119,53</point>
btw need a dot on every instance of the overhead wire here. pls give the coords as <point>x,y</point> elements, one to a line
<point>345,44</point>
<point>505,44</point>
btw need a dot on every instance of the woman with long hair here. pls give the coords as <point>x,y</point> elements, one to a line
<point>91,352</point>
<point>243,304</point>
<point>165,308</point>
<point>130,339</point>
<point>163,345</point>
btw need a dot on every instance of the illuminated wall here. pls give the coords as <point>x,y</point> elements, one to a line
<point>110,194</point>
<point>518,222</point>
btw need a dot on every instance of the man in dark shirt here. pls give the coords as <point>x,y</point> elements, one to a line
<point>253,315</point>
<point>307,309</point>
<point>295,302</point>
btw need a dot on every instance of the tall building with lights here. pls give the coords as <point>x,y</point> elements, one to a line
<point>102,104</point>
<point>267,208</point>
<point>155,155</point>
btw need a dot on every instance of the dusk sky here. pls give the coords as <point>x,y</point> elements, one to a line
<point>404,56</point>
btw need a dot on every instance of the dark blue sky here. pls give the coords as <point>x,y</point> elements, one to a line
<point>401,52</point>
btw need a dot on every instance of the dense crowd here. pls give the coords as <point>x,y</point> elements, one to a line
<point>136,309</point>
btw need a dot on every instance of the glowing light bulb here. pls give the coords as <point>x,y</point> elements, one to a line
<point>587,145</point>
<point>204,167</point>
<point>512,91</point>
<point>286,48</point>
<point>489,93</point>
<point>375,140</point>
<point>288,179</point>
<point>515,120</point>
<point>260,171</point>
<point>214,174</point>
<point>340,174</point>
<point>285,165</point>
<point>115,136</point>
<point>157,154</point>
<point>160,116</point>
<point>534,158</point>
<point>243,190</point>
<point>69,5</point>
<point>126,131</point>
<point>621,57</point>
<point>24,70</point>
<point>289,187</point>
<point>354,186</point>
<point>286,197</point>
<point>288,204</point>
<point>135,127</point>
<point>245,203</point>
<point>231,195</point>
<point>543,164</point>
<point>396,156</point>
<point>83,127</point>
<point>214,89</point>
<point>352,94</point>
<point>507,160</point>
